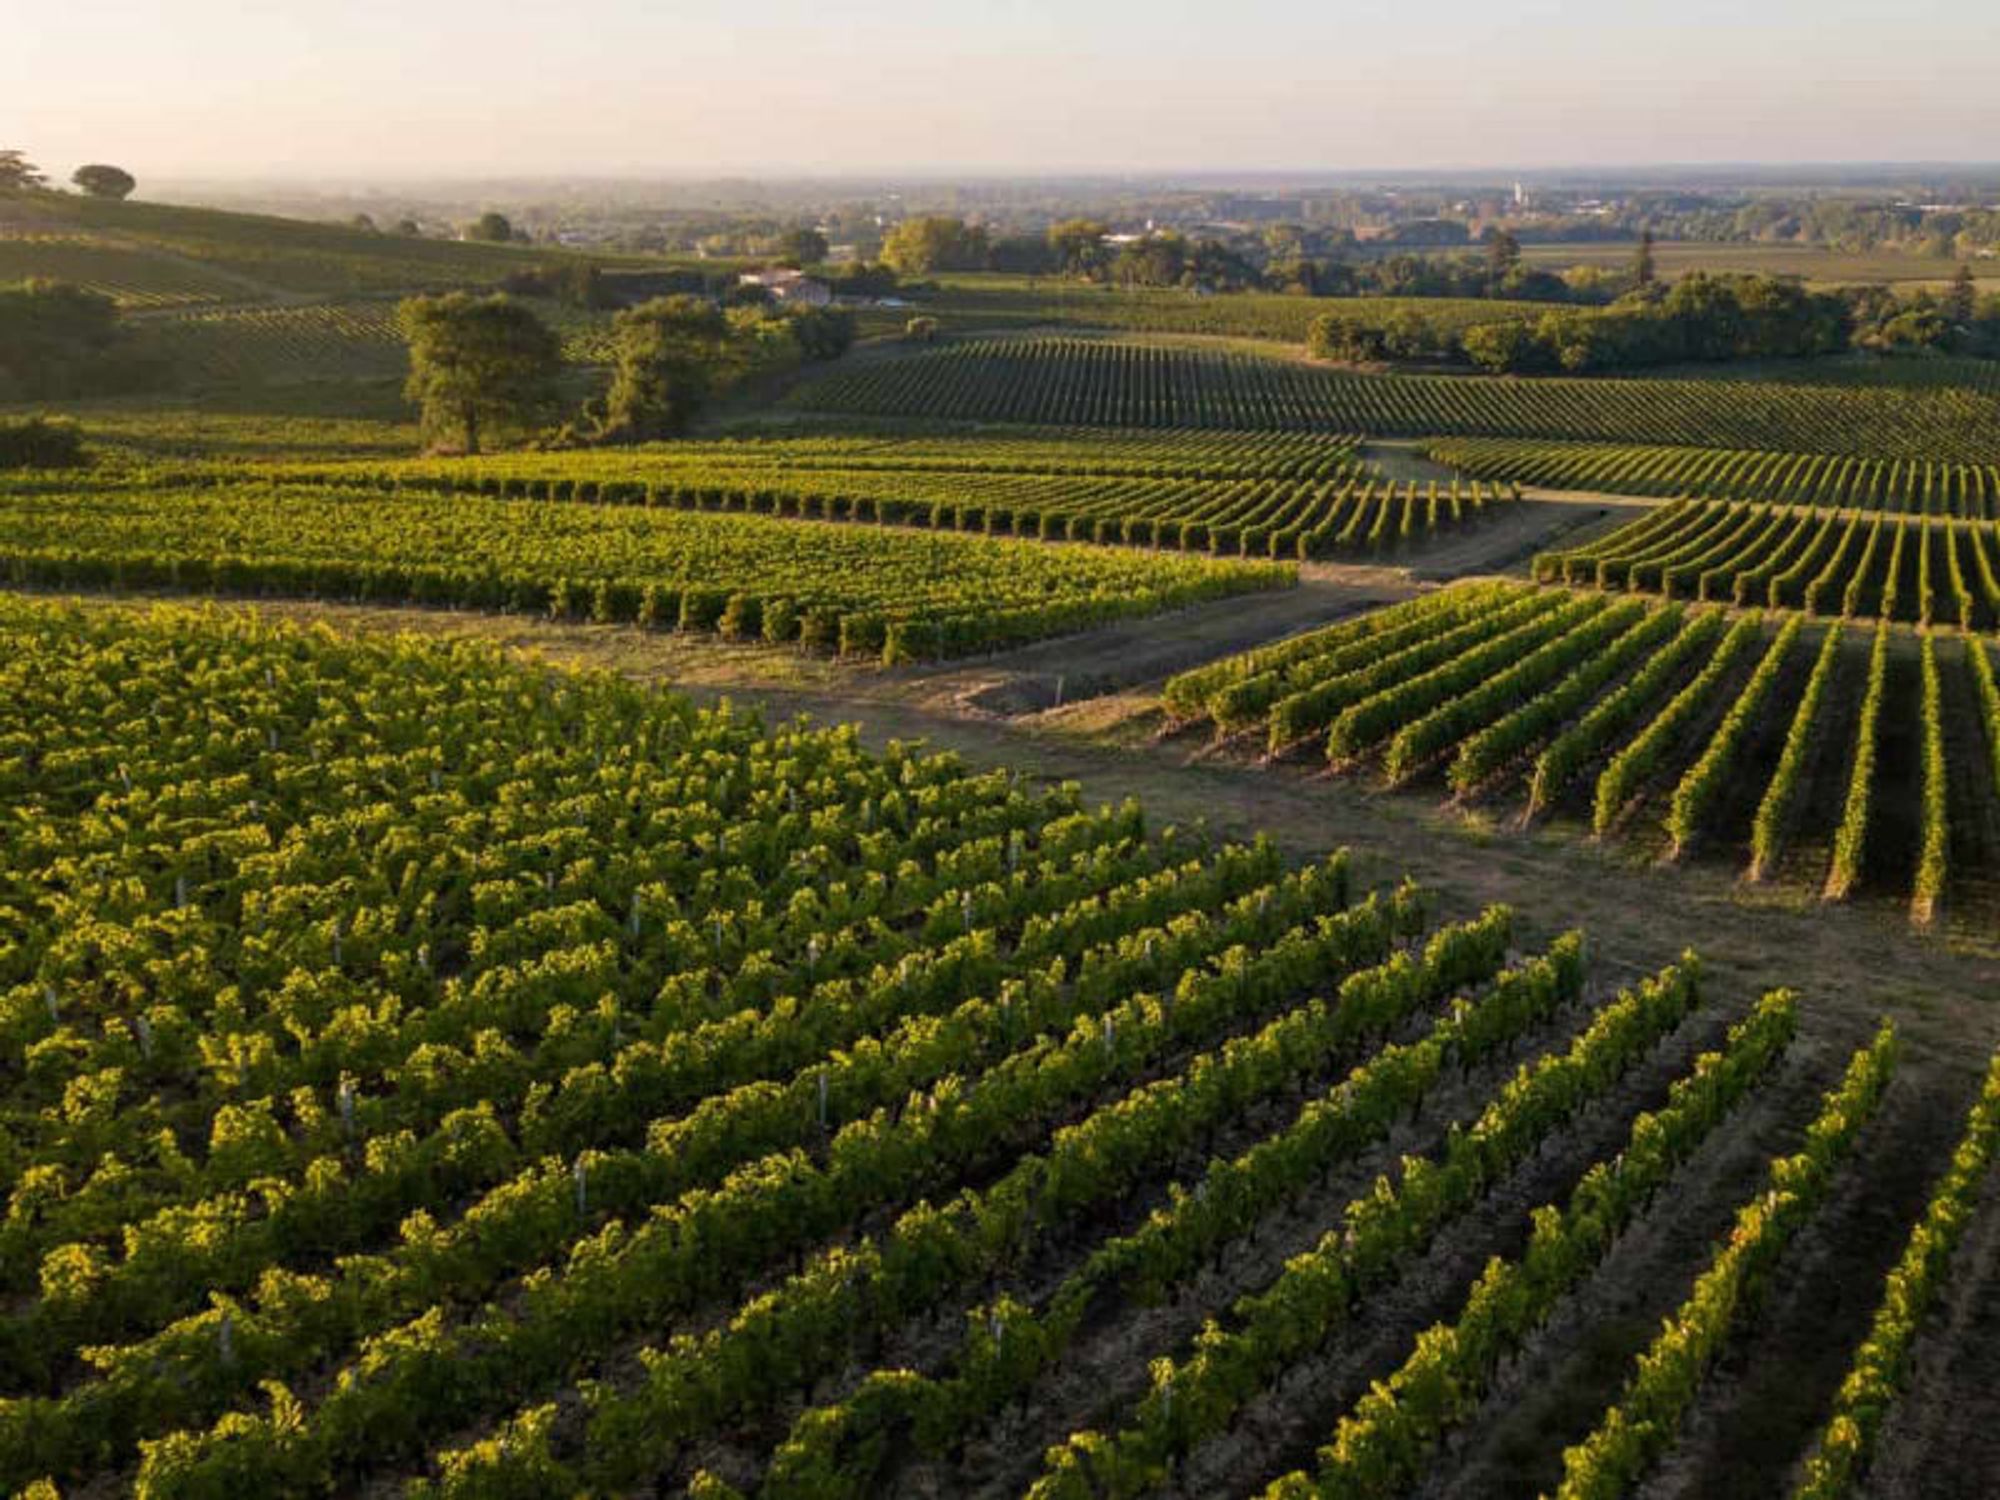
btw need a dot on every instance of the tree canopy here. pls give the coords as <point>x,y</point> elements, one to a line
<point>672,354</point>
<point>1078,246</point>
<point>916,247</point>
<point>39,443</point>
<point>665,361</point>
<point>17,172</point>
<point>477,365</point>
<point>61,340</point>
<point>491,227</point>
<point>1700,317</point>
<point>101,180</point>
<point>804,245</point>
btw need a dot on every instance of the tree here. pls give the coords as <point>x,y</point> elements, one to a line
<point>1644,271</point>
<point>1961,298</point>
<point>103,181</point>
<point>918,246</point>
<point>921,329</point>
<point>409,227</point>
<point>491,227</point>
<point>1336,336</point>
<point>804,245</point>
<point>18,173</point>
<point>362,222</point>
<point>1156,260</point>
<point>59,340</point>
<point>1503,254</point>
<point>478,363</point>
<point>38,443</point>
<point>1407,334</point>
<point>1078,245</point>
<point>1022,254</point>
<point>1503,348</point>
<point>666,357</point>
<point>822,332</point>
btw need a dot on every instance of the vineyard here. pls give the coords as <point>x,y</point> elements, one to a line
<point>68,232</point>
<point>133,279</point>
<point>1225,494</point>
<point>1845,760</point>
<point>1929,369</point>
<point>323,341</point>
<point>1909,486</point>
<point>1868,564</point>
<point>890,594</point>
<point>434,1073</point>
<point>1104,383</point>
<point>861,1030</point>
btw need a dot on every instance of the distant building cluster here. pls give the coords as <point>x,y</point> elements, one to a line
<point>793,288</point>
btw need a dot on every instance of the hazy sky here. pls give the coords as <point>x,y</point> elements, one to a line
<point>383,88</point>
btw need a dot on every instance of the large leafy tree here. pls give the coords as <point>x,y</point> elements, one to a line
<point>102,180</point>
<point>918,246</point>
<point>56,340</point>
<point>667,357</point>
<point>478,364</point>
<point>17,172</point>
<point>671,355</point>
<point>1078,246</point>
<point>803,245</point>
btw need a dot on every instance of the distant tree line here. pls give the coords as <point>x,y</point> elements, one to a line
<point>1285,258</point>
<point>1081,248</point>
<point>97,180</point>
<point>1701,317</point>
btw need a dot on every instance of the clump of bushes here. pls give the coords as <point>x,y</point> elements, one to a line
<point>39,443</point>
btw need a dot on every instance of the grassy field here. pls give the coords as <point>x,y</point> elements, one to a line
<point>1823,267</point>
<point>976,301</point>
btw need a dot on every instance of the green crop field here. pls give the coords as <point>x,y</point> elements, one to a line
<point>1805,751</point>
<point>1228,494</point>
<point>1916,372</point>
<point>1088,382</point>
<point>977,301</point>
<point>894,594</point>
<point>58,235</point>
<point>1079,914</point>
<point>658,1001</point>
<point>323,341</point>
<point>1916,486</point>
<point>1926,569</point>
<point>1817,264</point>
<point>133,278</point>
